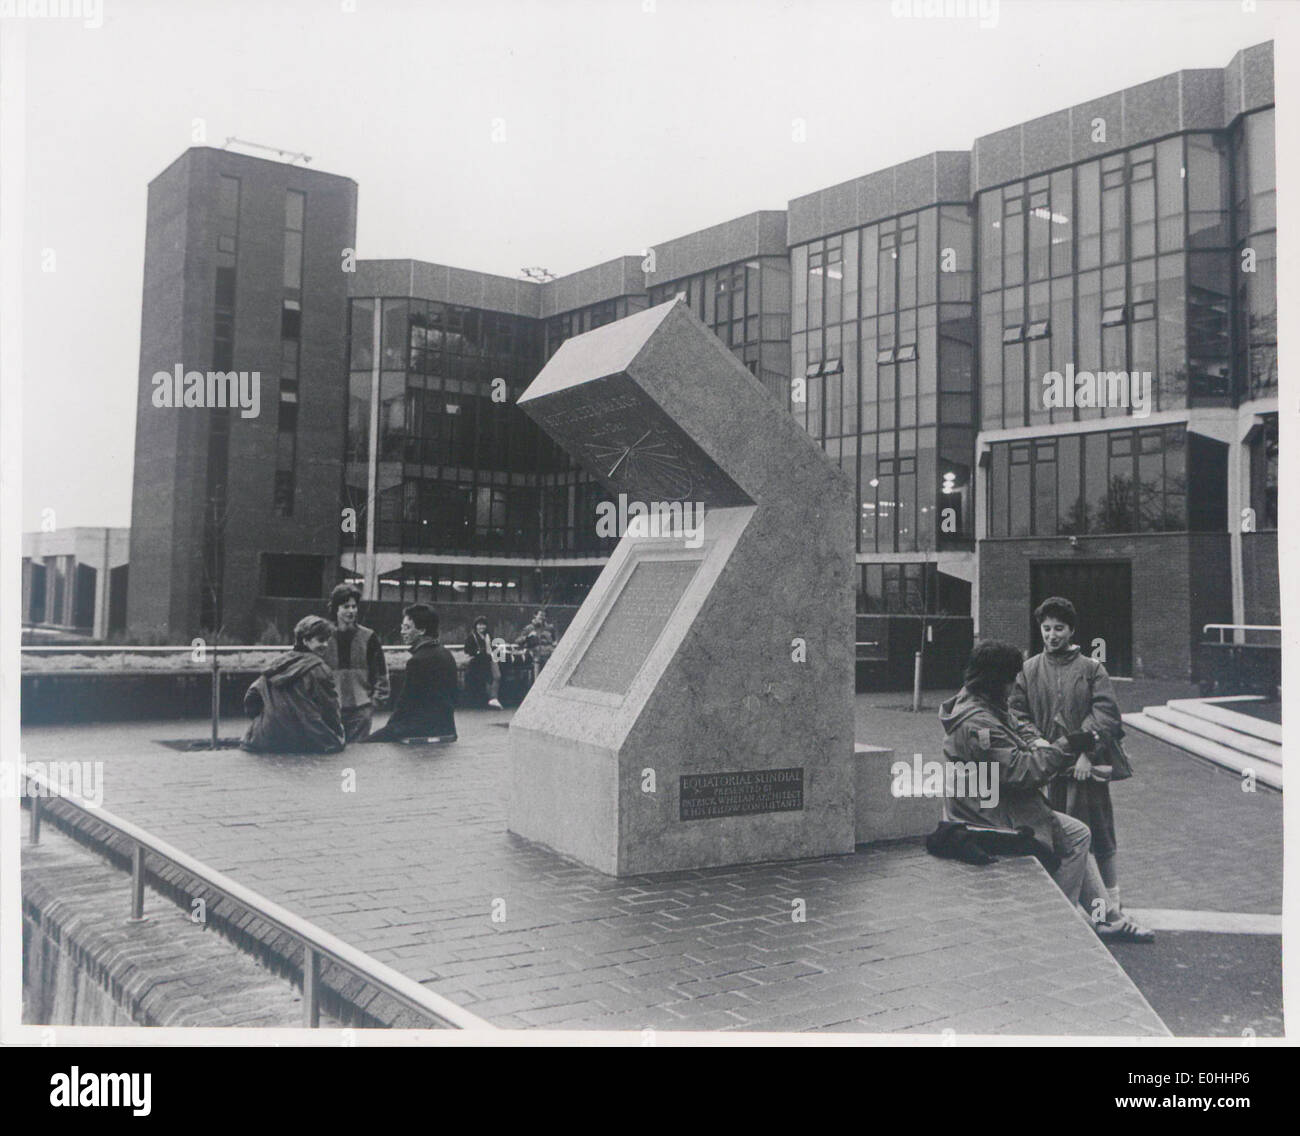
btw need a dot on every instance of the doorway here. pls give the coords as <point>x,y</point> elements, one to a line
<point>1102,594</point>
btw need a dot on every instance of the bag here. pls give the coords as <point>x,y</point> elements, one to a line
<point>1112,753</point>
<point>975,844</point>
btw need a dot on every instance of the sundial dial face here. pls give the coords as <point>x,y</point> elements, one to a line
<point>622,437</point>
<point>655,464</point>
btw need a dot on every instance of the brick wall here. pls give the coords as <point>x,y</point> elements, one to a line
<point>1179,580</point>
<point>1259,572</point>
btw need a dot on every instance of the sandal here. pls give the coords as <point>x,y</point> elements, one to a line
<point>1125,930</point>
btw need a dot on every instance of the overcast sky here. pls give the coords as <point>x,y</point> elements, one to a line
<point>623,127</point>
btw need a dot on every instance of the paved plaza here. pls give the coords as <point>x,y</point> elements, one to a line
<point>415,867</point>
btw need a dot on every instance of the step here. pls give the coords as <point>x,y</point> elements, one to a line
<point>1203,727</point>
<point>1216,711</point>
<point>1265,773</point>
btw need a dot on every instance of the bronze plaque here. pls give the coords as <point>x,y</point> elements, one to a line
<point>743,793</point>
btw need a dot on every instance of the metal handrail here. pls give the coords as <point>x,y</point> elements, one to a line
<point>317,943</point>
<point>1234,627</point>
<point>227,649</point>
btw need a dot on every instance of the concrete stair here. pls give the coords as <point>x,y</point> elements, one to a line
<point>1212,730</point>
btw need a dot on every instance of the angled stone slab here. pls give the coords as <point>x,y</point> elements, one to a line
<point>698,711</point>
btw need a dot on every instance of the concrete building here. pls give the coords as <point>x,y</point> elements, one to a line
<point>244,273</point>
<point>908,319</point>
<point>75,580</point>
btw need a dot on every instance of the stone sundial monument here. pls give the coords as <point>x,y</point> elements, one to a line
<point>698,711</point>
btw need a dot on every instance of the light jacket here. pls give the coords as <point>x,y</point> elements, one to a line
<point>295,708</point>
<point>363,675</point>
<point>1064,691</point>
<point>977,730</point>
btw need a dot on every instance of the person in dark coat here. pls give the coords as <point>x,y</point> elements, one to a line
<point>426,706</point>
<point>294,703</point>
<point>483,675</point>
<point>356,657</point>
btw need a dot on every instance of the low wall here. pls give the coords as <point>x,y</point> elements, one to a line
<point>85,963</point>
<point>64,697</point>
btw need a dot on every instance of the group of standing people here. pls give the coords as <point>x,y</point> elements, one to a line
<point>1053,727</point>
<point>323,693</point>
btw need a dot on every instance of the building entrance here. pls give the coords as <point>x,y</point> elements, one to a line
<point>1101,591</point>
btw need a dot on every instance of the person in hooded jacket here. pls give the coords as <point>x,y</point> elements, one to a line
<point>1062,690</point>
<point>979,727</point>
<point>294,703</point>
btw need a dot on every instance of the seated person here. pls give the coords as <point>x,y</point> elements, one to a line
<point>980,728</point>
<point>426,706</point>
<point>294,703</point>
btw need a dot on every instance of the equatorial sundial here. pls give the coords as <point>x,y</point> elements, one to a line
<point>621,436</point>
<point>649,461</point>
<point>749,763</point>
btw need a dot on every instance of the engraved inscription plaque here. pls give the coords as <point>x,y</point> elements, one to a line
<point>743,793</point>
<point>632,625</point>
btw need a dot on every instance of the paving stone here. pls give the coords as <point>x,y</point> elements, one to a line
<point>408,868</point>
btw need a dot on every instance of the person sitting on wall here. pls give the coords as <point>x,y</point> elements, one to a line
<point>426,706</point>
<point>294,703</point>
<point>357,659</point>
<point>980,728</point>
<point>483,674</point>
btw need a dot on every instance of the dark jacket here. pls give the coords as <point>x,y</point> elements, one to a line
<point>426,706</point>
<point>1060,693</point>
<point>478,673</point>
<point>977,730</point>
<point>295,707</point>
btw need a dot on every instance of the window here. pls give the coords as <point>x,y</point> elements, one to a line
<point>1263,443</point>
<point>292,260</point>
<point>1013,334</point>
<point>291,575</point>
<point>1207,190</point>
<point>1120,481</point>
<point>1037,330</point>
<point>228,197</point>
<point>295,207</point>
<point>1112,316</point>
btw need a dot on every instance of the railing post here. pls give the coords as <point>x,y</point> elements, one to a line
<point>310,987</point>
<point>137,883</point>
<point>216,699</point>
<point>35,832</point>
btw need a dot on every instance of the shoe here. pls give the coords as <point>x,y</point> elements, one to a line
<point>1125,930</point>
<point>495,704</point>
